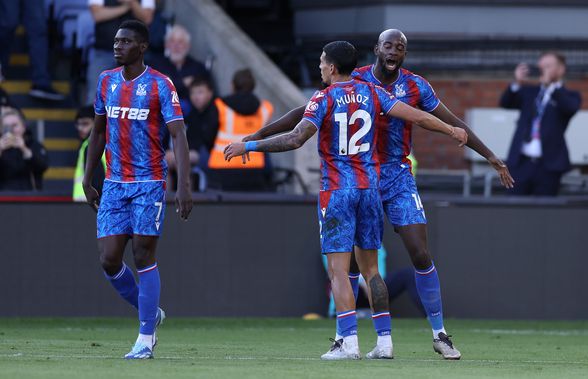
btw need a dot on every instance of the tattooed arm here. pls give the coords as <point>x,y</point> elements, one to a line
<point>285,142</point>
<point>284,124</point>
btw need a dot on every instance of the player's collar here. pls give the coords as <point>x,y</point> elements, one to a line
<point>378,80</point>
<point>123,77</point>
<point>345,82</point>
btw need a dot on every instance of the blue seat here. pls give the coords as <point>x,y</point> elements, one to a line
<point>85,34</point>
<point>67,13</point>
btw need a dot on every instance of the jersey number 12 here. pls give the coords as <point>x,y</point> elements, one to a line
<point>351,147</point>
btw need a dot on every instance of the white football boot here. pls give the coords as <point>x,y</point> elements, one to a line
<point>342,349</point>
<point>381,352</point>
<point>444,346</point>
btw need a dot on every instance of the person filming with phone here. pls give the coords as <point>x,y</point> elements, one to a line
<point>22,159</point>
<point>538,155</point>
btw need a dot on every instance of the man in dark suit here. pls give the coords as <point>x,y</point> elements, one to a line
<point>538,155</point>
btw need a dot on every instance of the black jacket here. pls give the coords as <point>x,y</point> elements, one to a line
<point>202,127</point>
<point>105,31</point>
<point>191,68</point>
<point>245,103</point>
<point>19,174</point>
<point>559,110</point>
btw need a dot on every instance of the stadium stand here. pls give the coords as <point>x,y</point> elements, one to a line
<point>71,33</point>
<point>50,122</point>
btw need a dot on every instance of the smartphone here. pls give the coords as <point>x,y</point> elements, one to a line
<point>534,71</point>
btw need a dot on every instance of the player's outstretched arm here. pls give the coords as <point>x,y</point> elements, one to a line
<point>180,143</point>
<point>474,143</point>
<point>427,121</point>
<point>284,124</point>
<point>289,141</point>
<point>96,146</point>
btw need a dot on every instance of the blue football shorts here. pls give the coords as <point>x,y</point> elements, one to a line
<point>400,198</point>
<point>131,208</point>
<point>349,217</point>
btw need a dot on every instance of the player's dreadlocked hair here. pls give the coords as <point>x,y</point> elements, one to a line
<point>342,54</point>
<point>138,27</point>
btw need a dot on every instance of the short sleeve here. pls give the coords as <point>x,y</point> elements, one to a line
<point>169,100</point>
<point>148,4</point>
<point>99,101</point>
<point>316,109</point>
<point>387,100</point>
<point>429,100</point>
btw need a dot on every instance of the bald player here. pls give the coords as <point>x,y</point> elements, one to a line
<point>400,197</point>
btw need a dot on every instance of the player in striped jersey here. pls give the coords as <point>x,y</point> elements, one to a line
<point>134,104</point>
<point>349,208</point>
<point>399,192</point>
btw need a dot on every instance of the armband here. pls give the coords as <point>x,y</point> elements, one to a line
<point>251,146</point>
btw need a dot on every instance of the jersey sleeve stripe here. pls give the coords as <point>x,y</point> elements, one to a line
<point>175,119</point>
<point>311,121</point>
<point>432,108</point>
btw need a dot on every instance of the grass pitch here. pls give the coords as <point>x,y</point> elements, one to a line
<point>286,348</point>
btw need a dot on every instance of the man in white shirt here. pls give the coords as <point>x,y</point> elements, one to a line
<point>538,155</point>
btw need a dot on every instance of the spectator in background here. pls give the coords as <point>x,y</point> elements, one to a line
<point>202,124</point>
<point>108,15</point>
<point>240,115</point>
<point>5,103</point>
<point>538,155</point>
<point>22,159</point>
<point>84,123</point>
<point>31,13</point>
<point>202,121</point>
<point>179,65</point>
<point>157,30</point>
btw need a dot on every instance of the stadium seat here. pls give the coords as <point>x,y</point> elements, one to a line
<point>85,36</point>
<point>49,7</point>
<point>85,30</point>
<point>66,13</point>
<point>199,181</point>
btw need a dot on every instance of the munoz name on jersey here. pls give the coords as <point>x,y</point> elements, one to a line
<point>352,98</point>
<point>128,113</point>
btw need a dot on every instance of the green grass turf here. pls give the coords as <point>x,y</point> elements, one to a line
<point>286,348</point>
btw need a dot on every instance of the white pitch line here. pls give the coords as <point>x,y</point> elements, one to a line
<point>553,332</point>
<point>571,332</point>
<point>261,358</point>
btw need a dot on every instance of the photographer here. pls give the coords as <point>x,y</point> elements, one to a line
<point>22,159</point>
<point>538,155</point>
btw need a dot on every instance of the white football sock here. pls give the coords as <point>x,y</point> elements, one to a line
<point>384,341</point>
<point>146,339</point>
<point>436,333</point>
<point>351,341</point>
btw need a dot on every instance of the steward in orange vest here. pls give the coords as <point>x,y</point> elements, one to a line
<point>239,115</point>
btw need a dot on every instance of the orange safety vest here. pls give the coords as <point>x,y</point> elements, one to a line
<point>233,127</point>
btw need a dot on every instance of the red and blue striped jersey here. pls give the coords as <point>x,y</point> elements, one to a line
<point>344,114</point>
<point>395,142</point>
<point>137,112</point>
